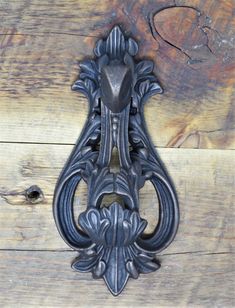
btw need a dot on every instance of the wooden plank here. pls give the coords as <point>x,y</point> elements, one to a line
<point>204,181</point>
<point>70,17</point>
<point>186,280</point>
<point>40,45</point>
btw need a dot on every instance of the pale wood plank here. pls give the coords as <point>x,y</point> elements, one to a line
<point>45,279</point>
<point>58,116</point>
<point>204,180</point>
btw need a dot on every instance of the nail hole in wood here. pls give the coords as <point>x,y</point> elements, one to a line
<point>34,194</point>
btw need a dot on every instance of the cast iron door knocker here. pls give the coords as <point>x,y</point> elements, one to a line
<point>111,240</point>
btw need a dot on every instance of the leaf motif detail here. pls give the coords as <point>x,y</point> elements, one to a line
<point>144,87</point>
<point>99,269</point>
<point>116,47</point>
<point>155,88</point>
<point>116,275</point>
<point>84,263</point>
<point>117,257</point>
<point>115,44</point>
<point>144,67</point>
<point>132,269</point>
<point>99,48</point>
<point>132,47</point>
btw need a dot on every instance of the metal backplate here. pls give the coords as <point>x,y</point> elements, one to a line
<point>111,240</point>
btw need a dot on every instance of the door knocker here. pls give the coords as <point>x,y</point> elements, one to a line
<point>111,240</point>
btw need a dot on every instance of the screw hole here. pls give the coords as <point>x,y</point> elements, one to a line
<point>34,194</point>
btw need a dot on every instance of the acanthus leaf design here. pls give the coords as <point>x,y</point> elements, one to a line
<point>111,240</point>
<point>116,256</point>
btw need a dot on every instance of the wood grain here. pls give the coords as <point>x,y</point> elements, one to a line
<point>41,45</point>
<point>203,178</point>
<point>192,45</point>
<point>45,279</point>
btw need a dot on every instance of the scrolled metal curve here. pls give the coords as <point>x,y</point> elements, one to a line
<point>111,241</point>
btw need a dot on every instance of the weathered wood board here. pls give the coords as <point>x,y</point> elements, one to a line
<point>192,44</point>
<point>194,267</point>
<point>42,279</point>
<point>204,183</point>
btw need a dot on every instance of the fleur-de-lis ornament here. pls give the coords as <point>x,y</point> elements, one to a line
<point>111,240</point>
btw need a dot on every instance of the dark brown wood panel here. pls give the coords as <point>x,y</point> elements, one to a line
<point>191,42</point>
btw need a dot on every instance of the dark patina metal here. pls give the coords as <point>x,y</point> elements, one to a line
<point>111,240</point>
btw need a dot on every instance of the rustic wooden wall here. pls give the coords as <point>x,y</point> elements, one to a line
<point>193,125</point>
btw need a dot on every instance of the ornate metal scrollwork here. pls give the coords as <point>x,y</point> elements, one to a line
<point>111,240</point>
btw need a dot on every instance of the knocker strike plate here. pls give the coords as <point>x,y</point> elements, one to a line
<point>111,240</point>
